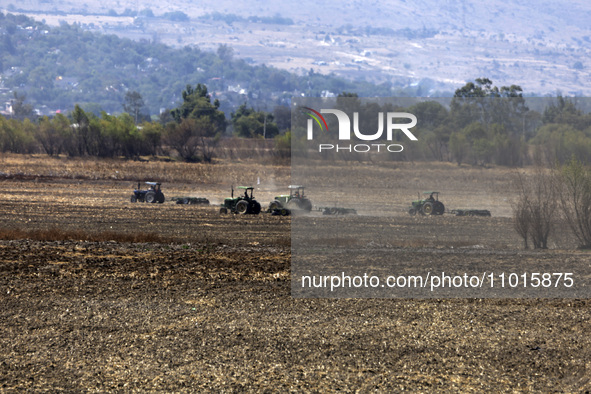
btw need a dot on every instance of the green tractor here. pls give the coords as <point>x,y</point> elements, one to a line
<point>296,199</point>
<point>243,204</point>
<point>428,206</point>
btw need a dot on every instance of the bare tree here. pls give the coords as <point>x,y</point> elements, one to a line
<point>575,200</point>
<point>208,138</point>
<point>521,219</point>
<point>536,211</point>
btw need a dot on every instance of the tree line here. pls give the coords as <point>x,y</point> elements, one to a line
<point>191,131</point>
<point>481,125</point>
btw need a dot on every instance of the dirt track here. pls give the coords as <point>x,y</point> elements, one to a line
<point>212,311</point>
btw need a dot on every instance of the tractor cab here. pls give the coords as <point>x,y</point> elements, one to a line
<point>247,189</point>
<point>153,186</point>
<point>433,196</point>
<point>296,191</point>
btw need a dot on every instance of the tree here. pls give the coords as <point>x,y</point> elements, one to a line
<point>51,132</point>
<point>250,123</point>
<point>282,116</point>
<point>522,219</point>
<point>181,137</point>
<point>500,111</point>
<point>20,110</point>
<point>199,127</point>
<point>151,135</point>
<point>575,200</point>
<point>79,145</point>
<point>208,138</point>
<point>565,111</point>
<point>434,127</point>
<point>177,16</point>
<point>458,146</point>
<point>196,104</point>
<point>225,53</point>
<point>17,136</point>
<point>283,145</point>
<point>193,137</point>
<point>472,102</point>
<point>536,211</point>
<point>118,136</point>
<point>133,105</point>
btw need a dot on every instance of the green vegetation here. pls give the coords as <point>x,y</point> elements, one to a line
<point>250,123</point>
<point>483,125</point>
<point>57,68</point>
<point>386,31</point>
<point>177,16</point>
<point>90,79</point>
<point>232,18</point>
<point>191,131</point>
<point>199,125</point>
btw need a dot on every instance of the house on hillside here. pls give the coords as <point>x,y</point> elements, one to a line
<point>6,109</point>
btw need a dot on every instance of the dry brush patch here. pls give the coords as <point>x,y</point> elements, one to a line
<point>30,167</point>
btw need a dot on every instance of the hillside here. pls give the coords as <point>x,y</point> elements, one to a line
<point>57,67</point>
<point>542,45</point>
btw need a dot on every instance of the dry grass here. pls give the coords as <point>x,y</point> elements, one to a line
<point>223,171</point>
<point>56,234</point>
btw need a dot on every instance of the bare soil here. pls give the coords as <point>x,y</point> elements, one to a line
<point>203,302</point>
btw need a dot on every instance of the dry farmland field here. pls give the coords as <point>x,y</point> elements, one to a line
<point>101,294</point>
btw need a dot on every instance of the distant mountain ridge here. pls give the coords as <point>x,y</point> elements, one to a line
<point>59,67</point>
<point>423,47</point>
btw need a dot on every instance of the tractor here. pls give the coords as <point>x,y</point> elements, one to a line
<point>294,200</point>
<point>243,204</point>
<point>152,195</point>
<point>428,206</point>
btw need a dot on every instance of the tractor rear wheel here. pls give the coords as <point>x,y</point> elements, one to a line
<point>438,208</point>
<point>150,197</point>
<point>427,208</point>
<point>255,208</point>
<point>306,205</point>
<point>242,207</point>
